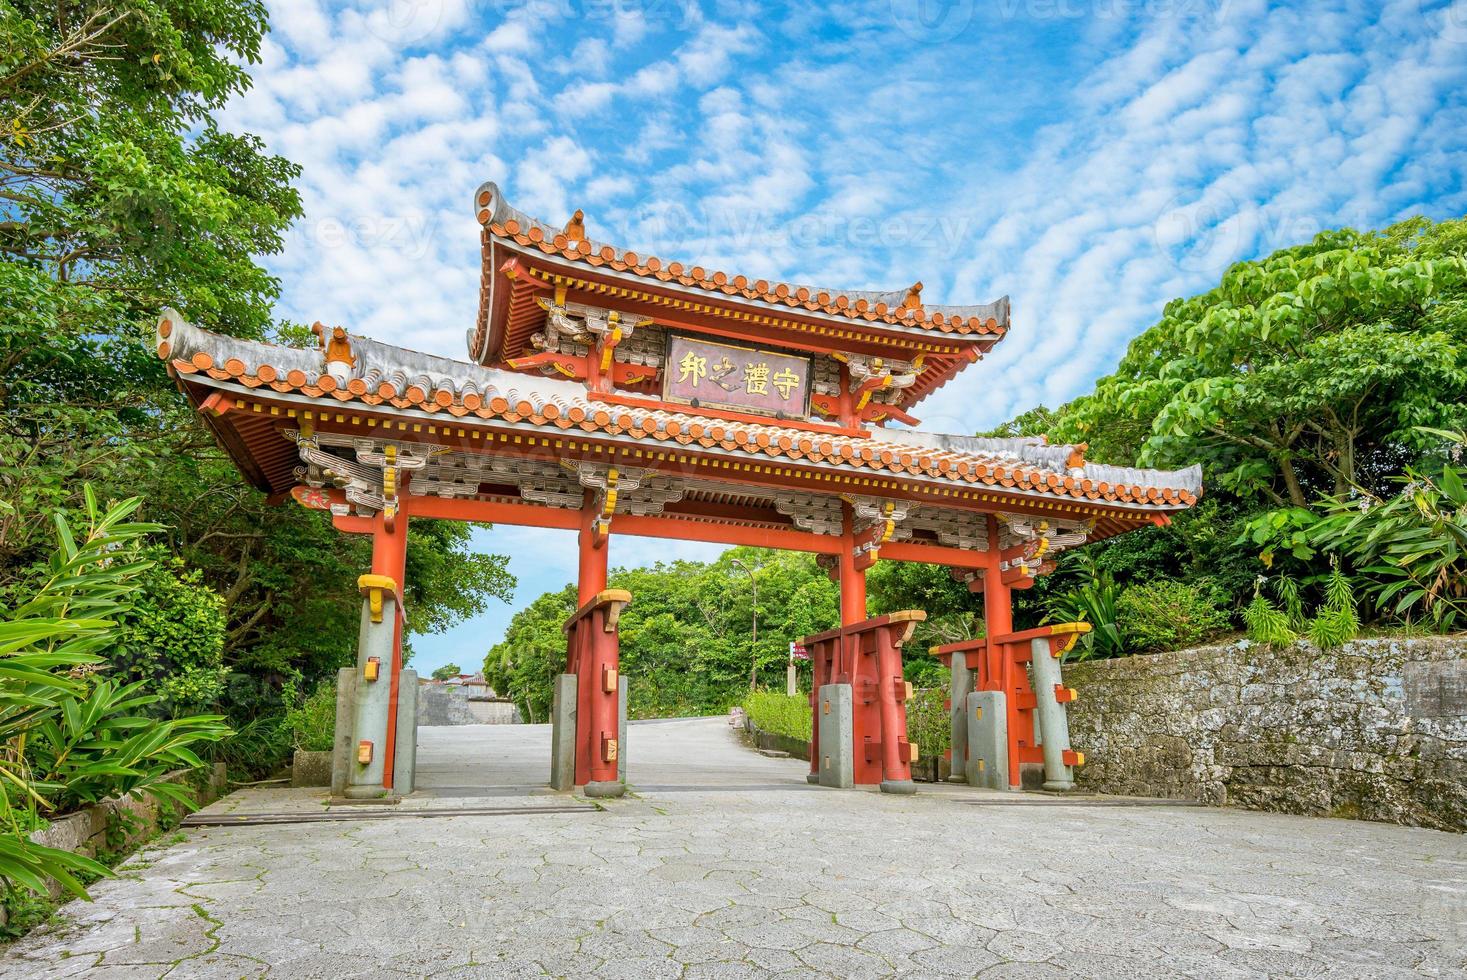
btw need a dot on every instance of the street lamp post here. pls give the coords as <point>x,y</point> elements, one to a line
<point>754,654</point>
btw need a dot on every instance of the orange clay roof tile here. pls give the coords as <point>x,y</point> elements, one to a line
<point>503,222</point>
<point>408,380</point>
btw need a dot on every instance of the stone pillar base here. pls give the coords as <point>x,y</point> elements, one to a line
<point>837,757</point>
<point>405,756</point>
<point>610,789</point>
<point>988,740</point>
<point>901,787</point>
<point>563,734</point>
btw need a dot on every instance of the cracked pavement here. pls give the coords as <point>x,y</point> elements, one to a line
<point>727,864</point>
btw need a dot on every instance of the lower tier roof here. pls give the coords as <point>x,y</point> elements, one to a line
<point>421,397</point>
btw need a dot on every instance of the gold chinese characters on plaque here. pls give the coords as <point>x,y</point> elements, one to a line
<point>746,379</point>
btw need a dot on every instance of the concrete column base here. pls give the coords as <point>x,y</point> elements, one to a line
<point>812,778</point>
<point>988,740</point>
<point>621,728</point>
<point>563,734</point>
<point>901,787</point>
<point>341,746</point>
<point>959,688</point>
<point>405,763</point>
<point>1052,721</point>
<point>834,713</point>
<point>608,789</point>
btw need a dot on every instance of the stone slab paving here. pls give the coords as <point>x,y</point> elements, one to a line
<point>727,864</point>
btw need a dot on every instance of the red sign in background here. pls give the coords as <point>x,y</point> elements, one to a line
<point>749,379</point>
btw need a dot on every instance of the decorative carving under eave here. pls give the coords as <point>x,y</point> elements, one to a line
<point>818,515</point>
<point>877,385</point>
<point>619,490</point>
<point>568,323</point>
<point>953,528</point>
<point>1028,544</point>
<point>874,521</point>
<point>972,578</point>
<point>371,482</point>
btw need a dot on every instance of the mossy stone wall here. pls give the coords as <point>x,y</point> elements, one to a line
<point>1376,730</point>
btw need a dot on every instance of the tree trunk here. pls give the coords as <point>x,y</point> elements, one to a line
<point>1291,480</point>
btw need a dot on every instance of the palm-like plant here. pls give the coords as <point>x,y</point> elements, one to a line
<point>1092,601</point>
<point>1413,545</point>
<point>66,736</point>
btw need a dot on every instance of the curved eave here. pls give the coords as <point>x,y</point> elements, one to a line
<point>1003,485</point>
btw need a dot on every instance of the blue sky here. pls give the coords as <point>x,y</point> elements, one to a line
<point>1090,159</point>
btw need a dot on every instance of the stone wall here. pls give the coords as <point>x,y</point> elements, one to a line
<point>463,704</point>
<point>1376,730</point>
<point>129,820</point>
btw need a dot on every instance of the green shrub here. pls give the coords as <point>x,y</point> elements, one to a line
<point>780,713</point>
<point>1267,624</point>
<point>1336,622</point>
<point>1410,547</point>
<point>928,722</point>
<point>67,736</point>
<point>311,725</point>
<point>172,638</point>
<point>1095,601</point>
<point>1168,615</point>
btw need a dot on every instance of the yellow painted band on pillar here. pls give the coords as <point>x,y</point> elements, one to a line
<point>373,586</point>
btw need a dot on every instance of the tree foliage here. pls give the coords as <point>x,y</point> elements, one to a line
<point>120,194</point>
<point>1301,374</point>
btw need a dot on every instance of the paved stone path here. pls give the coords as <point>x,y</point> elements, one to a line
<point>733,867</point>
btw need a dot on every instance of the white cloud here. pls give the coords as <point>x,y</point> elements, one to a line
<point>1093,171</point>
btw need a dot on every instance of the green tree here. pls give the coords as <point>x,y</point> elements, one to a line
<point>446,672</point>
<point>1304,373</point>
<point>121,195</point>
<point>686,638</point>
<point>172,638</point>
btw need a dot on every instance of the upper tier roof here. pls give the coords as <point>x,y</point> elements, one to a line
<point>881,316</point>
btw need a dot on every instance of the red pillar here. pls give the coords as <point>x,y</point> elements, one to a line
<point>389,557</point>
<point>595,659</point>
<point>857,659</point>
<point>592,571</point>
<point>852,579</point>
<point>999,666</point>
<point>896,766</point>
<point>998,610</point>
